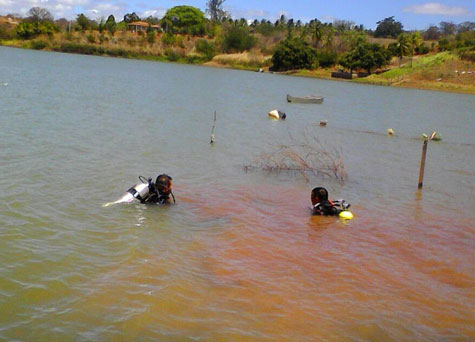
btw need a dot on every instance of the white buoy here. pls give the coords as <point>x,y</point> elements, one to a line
<point>276,114</point>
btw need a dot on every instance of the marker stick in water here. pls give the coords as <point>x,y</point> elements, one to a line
<point>423,163</point>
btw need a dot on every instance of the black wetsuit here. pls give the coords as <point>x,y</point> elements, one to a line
<point>325,208</point>
<point>157,198</point>
<point>330,207</point>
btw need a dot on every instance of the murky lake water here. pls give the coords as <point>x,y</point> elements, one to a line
<point>238,258</point>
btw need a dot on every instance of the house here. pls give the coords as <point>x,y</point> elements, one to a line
<point>8,21</point>
<point>142,26</point>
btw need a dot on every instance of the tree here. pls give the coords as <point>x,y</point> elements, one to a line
<point>402,46</point>
<point>83,22</point>
<point>111,26</point>
<point>292,54</point>
<point>215,10</point>
<point>388,28</point>
<point>39,14</point>
<point>447,28</point>
<point>238,38</point>
<point>317,31</point>
<point>349,60</point>
<point>432,33</point>
<point>349,40</point>
<point>101,25</point>
<point>184,19</point>
<point>131,17</point>
<point>415,40</point>
<point>365,56</point>
<point>152,20</point>
<point>372,56</point>
<point>466,26</point>
<point>343,25</point>
<point>328,34</point>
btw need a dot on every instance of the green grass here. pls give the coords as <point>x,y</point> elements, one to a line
<point>434,72</point>
<point>418,65</point>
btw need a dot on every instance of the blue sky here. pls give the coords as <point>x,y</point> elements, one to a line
<point>414,14</point>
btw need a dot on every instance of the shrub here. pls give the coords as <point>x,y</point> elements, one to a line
<point>91,38</point>
<point>327,59</point>
<point>172,55</point>
<point>208,49</point>
<point>444,44</point>
<point>6,33</point>
<point>238,39</point>
<point>27,31</point>
<point>194,59</point>
<point>422,49</point>
<point>467,54</point>
<point>103,38</point>
<point>151,36</point>
<point>38,44</point>
<point>131,42</point>
<point>168,39</point>
<point>294,53</point>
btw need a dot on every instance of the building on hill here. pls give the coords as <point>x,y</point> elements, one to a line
<point>142,26</point>
<point>9,21</point>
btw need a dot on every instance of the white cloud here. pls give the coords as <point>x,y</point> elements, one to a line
<point>248,14</point>
<point>327,19</point>
<point>59,8</point>
<point>158,13</point>
<point>436,8</point>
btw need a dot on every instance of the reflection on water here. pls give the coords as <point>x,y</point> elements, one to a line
<point>239,257</point>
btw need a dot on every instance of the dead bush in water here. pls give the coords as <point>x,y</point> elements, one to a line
<point>309,157</point>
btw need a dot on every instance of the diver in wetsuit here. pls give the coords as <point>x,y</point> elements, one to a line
<point>150,192</point>
<point>321,205</point>
<point>160,191</point>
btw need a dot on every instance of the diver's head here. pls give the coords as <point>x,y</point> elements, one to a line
<point>319,195</point>
<point>164,184</point>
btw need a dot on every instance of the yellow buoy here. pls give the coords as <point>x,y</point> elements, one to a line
<point>347,215</point>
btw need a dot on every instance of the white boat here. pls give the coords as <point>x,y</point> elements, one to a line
<point>305,99</point>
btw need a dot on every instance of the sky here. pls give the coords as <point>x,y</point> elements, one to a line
<point>413,14</point>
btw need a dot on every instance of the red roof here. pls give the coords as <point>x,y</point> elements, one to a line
<point>138,23</point>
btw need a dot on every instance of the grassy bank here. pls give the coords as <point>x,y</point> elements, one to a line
<point>443,71</point>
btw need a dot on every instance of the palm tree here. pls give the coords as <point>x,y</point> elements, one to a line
<point>317,32</point>
<point>402,46</point>
<point>415,40</point>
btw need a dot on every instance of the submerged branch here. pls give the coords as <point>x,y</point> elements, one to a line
<point>308,156</point>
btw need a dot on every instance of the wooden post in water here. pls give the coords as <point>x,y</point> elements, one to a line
<point>213,139</point>
<point>423,163</point>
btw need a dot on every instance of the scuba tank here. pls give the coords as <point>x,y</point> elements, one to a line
<point>341,204</point>
<point>142,190</point>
